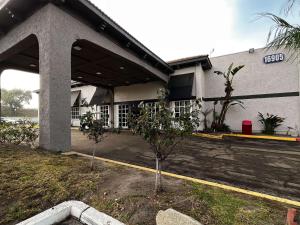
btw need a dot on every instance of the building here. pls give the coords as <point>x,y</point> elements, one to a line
<point>269,83</point>
<point>65,40</point>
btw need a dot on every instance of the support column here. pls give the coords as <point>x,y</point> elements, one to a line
<point>55,94</point>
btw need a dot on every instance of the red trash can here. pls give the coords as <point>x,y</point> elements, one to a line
<point>247,127</point>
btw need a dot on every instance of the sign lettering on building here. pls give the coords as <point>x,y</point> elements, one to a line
<point>274,58</point>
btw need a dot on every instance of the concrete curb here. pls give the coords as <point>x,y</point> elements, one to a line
<point>261,137</point>
<point>195,180</point>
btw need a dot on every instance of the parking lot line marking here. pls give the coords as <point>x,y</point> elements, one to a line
<point>195,180</point>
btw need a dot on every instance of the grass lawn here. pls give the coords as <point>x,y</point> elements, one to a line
<point>32,181</point>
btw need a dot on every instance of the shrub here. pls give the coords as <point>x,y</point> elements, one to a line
<point>86,121</point>
<point>270,122</point>
<point>223,128</point>
<point>21,133</point>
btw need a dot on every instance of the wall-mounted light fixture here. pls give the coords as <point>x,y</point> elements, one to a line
<point>251,50</point>
<point>77,48</point>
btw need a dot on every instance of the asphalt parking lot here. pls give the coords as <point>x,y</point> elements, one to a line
<point>265,166</point>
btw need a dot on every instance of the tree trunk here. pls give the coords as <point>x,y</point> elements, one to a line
<point>92,161</point>
<point>158,177</point>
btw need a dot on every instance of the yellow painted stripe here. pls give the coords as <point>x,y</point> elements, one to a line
<point>221,136</point>
<point>209,183</point>
<point>262,137</point>
<point>208,136</point>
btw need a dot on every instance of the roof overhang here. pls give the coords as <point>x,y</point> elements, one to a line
<point>13,12</point>
<point>203,60</point>
<point>74,97</point>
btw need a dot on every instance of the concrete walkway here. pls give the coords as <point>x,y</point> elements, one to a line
<point>265,166</point>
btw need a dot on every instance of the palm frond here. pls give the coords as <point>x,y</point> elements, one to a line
<point>237,69</point>
<point>289,6</point>
<point>283,34</point>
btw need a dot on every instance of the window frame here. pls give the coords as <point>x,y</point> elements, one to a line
<point>123,111</point>
<point>104,109</point>
<point>153,108</point>
<point>182,106</point>
<point>75,113</point>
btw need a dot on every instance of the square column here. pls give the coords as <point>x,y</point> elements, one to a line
<point>55,94</point>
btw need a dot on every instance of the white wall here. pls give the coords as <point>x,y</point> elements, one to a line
<point>257,78</point>
<point>137,92</point>
<point>286,107</point>
<point>87,93</point>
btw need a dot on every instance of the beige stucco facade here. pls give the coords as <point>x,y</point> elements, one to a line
<point>266,88</point>
<point>258,82</point>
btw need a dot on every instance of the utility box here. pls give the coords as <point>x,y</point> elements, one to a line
<point>247,127</point>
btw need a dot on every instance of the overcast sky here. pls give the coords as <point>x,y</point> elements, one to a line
<point>176,28</point>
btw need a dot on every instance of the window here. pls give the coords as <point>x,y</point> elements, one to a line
<point>153,108</point>
<point>182,107</point>
<point>75,113</point>
<point>123,113</point>
<point>104,114</point>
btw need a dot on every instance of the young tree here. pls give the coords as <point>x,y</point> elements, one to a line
<point>94,129</point>
<point>205,121</point>
<point>163,131</point>
<point>227,101</point>
<point>15,99</point>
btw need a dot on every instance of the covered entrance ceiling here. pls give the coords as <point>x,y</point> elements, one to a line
<point>90,64</point>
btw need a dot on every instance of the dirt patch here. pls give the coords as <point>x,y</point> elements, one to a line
<point>33,181</point>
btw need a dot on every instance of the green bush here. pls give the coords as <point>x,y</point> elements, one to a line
<point>270,122</point>
<point>21,133</point>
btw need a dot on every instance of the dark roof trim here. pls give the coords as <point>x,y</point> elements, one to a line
<point>192,61</point>
<point>256,96</point>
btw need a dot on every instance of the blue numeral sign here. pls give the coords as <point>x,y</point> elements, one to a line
<point>274,58</point>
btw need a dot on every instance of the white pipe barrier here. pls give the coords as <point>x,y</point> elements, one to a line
<point>79,210</point>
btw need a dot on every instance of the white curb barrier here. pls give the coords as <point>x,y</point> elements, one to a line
<point>79,210</point>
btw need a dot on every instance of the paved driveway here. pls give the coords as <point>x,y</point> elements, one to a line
<point>266,166</point>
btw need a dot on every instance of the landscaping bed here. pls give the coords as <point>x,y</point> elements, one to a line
<point>33,181</point>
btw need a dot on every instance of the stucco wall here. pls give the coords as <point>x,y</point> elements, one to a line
<point>254,79</point>
<point>137,92</point>
<point>285,107</point>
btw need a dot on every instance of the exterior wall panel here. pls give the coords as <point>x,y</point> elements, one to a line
<point>256,77</point>
<point>137,92</point>
<point>286,107</point>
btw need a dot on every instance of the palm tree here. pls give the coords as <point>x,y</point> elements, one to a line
<point>283,34</point>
